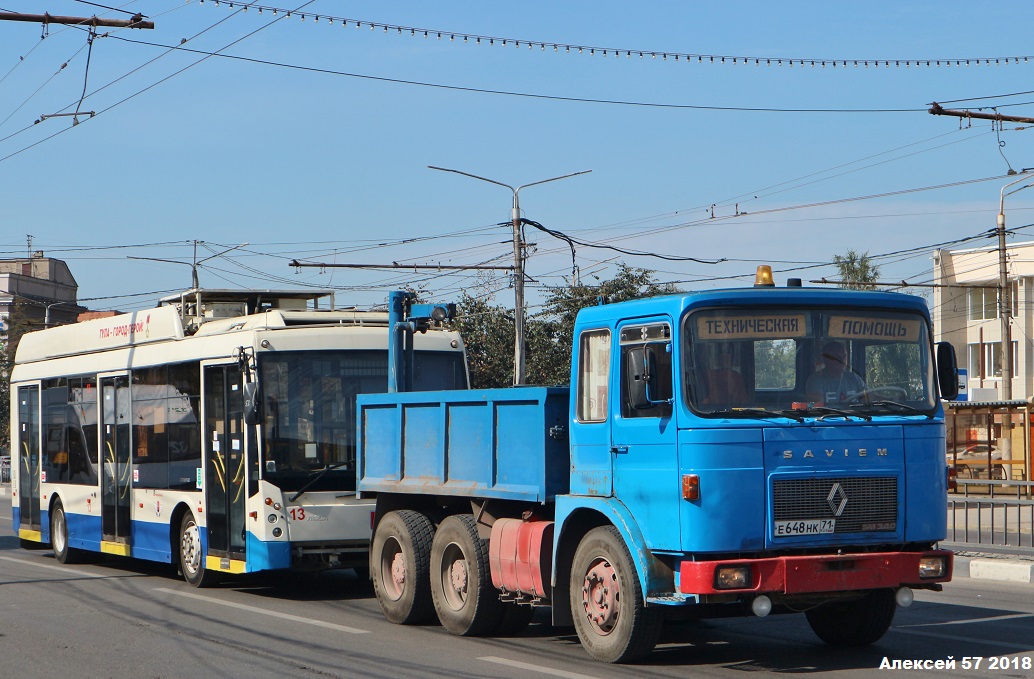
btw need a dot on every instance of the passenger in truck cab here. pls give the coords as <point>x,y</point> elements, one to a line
<point>835,383</point>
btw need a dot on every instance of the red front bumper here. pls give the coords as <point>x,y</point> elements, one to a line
<point>825,573</point>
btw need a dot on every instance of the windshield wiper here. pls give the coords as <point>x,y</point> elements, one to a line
<point>827,411</point>
<point>314,479</point>
<point>760,413</point>
<point>893,405</point>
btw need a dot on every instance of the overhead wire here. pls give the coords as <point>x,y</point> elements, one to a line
<point>514,93</point>
<point>592,50</point>
<point>169,50</point>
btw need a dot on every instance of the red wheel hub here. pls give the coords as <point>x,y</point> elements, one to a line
<point>398,571</point>
<point>601,596</point>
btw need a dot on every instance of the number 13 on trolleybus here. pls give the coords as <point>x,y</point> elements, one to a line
<point>215,432</point>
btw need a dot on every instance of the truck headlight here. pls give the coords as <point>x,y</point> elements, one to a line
<point>732,577</point>
<point>932,567</point>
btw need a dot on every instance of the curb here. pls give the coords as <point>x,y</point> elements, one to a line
<point>992,568</point>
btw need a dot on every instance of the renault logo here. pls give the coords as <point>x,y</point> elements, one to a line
<point>837,499</point>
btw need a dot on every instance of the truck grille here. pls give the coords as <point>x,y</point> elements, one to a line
<point>865,504</point>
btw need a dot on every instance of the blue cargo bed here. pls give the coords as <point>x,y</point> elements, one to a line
<point>492,443</point>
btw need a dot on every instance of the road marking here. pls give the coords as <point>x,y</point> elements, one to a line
<point>536,668</point>
<point>996,618</point>
<point>60,569</point>
<point>971,640</point>
<point>263,611</point>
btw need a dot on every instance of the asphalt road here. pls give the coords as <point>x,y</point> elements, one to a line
<point>123,618</point>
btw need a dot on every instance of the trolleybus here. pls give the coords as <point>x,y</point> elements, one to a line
<point>215,432</point>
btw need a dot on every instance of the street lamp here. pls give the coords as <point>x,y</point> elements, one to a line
<point>1005,445</point>
<point>46,312</point>
<point>1003,285</point>
<point>518,260</point>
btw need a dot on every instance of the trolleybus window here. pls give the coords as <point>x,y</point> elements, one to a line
<point>166,426</point>
<point>308,405</point>
<point>70,431</point>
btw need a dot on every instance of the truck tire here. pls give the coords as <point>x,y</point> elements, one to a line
<point>400,567</point>
<point>607,604</point>
<point>191,555</point>
<point>854,623</point>
<point>461,583</point>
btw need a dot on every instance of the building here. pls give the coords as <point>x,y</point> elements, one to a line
<point>966,313</point>
<point>43,289</point>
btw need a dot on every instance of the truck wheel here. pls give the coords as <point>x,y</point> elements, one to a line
<point>59,537</point>
<point>400,566</point>
<point>854,623</point>
<point>515,619</point>
<point>461,583</point>
<point>610,615</point>
<point>192,558</point>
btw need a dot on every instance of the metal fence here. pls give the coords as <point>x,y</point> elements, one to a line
<point>5,469</point>
<point>998,514</point>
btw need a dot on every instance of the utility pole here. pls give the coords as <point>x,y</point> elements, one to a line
<point>1005,443</point>
<point>136,21</point>
<point>1006,290</point>
<point>518,262</point>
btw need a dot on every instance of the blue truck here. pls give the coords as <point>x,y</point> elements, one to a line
<point>731,452</point>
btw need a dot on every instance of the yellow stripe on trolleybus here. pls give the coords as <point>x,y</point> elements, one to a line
<point>33,535</point>
<point>216,563</point>
<point>116,548</point>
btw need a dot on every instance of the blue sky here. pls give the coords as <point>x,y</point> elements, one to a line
<point>320,152</point>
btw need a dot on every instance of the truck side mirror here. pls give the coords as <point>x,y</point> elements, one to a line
<point>947,371</point>
<point>252,403</point>
<point>642,380</point>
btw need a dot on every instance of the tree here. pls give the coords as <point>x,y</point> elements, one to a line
<point>487,329</point>
<point>855,270</point>
<point>487,332</point>
<point>551,339</point>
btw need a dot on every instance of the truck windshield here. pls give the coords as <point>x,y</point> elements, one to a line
<point>749,362</point>
<point>308,408</point>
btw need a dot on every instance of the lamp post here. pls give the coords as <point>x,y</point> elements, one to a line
<point>1005,312</point>
<point>518,261</point>
<point>46,312</point>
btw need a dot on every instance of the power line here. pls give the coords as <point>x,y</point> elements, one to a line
<point>528,95</point>
<point>628,53</point>
<point>155,84</point>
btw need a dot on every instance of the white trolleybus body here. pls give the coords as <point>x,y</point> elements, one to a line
<point>215,432</point>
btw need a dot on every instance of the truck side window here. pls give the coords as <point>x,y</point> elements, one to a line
<point>593,374</point>
<point>662,366</point>
<point>656,339</point>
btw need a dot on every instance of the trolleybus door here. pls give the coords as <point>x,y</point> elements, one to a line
<point>226,469</point>
<point>116,469</point>
<point>27,459</point>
